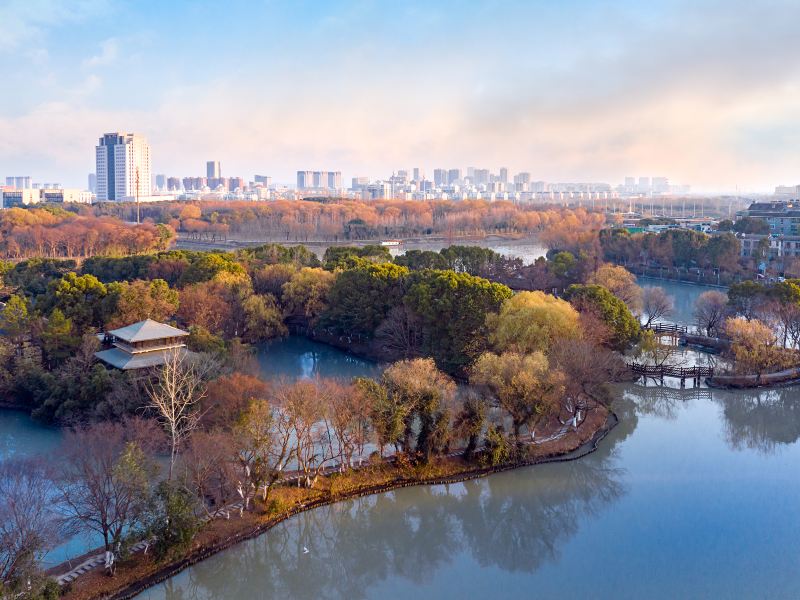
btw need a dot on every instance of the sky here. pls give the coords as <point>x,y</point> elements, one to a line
<point>702,92</point>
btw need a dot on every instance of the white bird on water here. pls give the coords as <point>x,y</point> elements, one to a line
<point>305,550</point>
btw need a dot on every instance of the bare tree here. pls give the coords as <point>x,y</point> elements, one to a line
<point>208,469</point>
<point>29,525</point>
<point>305,402</point>
<point>264,442</point>
<point>175,396</point>
<point>656,304</point>
<point>349,416</point>
<point>710,311</point>
<point>104,481</point>
<point>400,332</point>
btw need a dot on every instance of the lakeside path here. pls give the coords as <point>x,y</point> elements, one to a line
<point>140,572</point>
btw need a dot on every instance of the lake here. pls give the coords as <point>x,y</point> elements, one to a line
<point>693,495</point>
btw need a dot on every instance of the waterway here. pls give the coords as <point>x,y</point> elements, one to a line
<point>693,495</point>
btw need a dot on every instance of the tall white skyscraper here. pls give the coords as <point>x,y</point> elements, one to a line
<point>120,158</point>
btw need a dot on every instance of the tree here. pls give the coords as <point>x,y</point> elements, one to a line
<point>341,257</point>
<point>416,260</point>
<point>15,319</point>
<point>306,293</point>
<point>656,304</point>
<point>362,296</point>
<point>751,225</point>
<point>104,482</point>
<point>612,311</point>
<point>754,346</point>
<point>620,282</point>
<point>469,423</point>
<point>271,278</point>
<point>710,311</point>
<point>140,300</point>
<point>588,368</point>
<point>387,413</point>
<point>29,525</point>
<point>531,321</point>
<point>80,298</point>
<point>263,319</point>
<point>171,519</point>
<point>264,437</point>
<point>452,308</point>
<point>524,386</point>
<point>426,393</point>
<point>228,396</point>
<point>784,308</point>
<point>208,469</point>
<point>743,298</point>
<point>58,338</point>
<point>349,415</point>
<point>174,398</point>
<point>306,404</point>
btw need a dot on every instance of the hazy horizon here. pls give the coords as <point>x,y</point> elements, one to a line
<point>701,92</point>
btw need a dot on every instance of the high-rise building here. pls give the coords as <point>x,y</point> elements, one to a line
<point>503,175</point>
<point>644,184</point>
<point>304,179</point>
<point>213,170</point>
<point>264,180</point>
<point>19,183</point>
<point>173,184</point>
<point>480,176</point>
<point>440,177</point>
<point>334,180</point>
<point>331,180</point>
<point>92,182</point>
<point>161,182</point>
<point>235,183</point>
<point>453,176</point>
<point>123,161</point>
<point>359,183</point>
<point>417,176</point>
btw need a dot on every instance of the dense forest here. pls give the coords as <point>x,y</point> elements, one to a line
<point>337,220</point>
<point>53,232</point>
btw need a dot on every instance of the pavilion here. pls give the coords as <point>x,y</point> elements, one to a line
<point>142,345</point>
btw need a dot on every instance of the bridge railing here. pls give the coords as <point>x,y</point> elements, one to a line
<point>661,371</point>
<point>670,328</point>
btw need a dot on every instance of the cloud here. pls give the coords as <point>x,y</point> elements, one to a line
<point>109,50</point>
<point>26,21</point>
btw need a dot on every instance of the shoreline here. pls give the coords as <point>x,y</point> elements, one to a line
<point>185,243</point>
<point>132,589</point>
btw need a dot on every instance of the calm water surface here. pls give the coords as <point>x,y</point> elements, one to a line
<point>693,495</point>
<point>289,358</point>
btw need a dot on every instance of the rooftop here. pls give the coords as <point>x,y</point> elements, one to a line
<point>147,330</point>
<point>122,360</point>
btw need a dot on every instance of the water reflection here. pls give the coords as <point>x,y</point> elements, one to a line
<point>516,521</point>
<point>762,420</point>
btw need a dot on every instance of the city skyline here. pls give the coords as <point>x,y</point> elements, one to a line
<point>702,93</point>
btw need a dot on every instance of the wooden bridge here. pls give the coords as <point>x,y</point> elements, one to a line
<point>661,371</point>
<point>667,329</point>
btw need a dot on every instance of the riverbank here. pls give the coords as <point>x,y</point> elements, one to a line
<point>140,571</point>
<point>188,243</point>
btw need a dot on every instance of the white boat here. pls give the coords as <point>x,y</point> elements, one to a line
<point>390,243</point>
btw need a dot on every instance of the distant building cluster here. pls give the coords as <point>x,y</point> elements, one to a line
<point>477,183</point>
<point>123,173</point>
<point>11,196</point>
